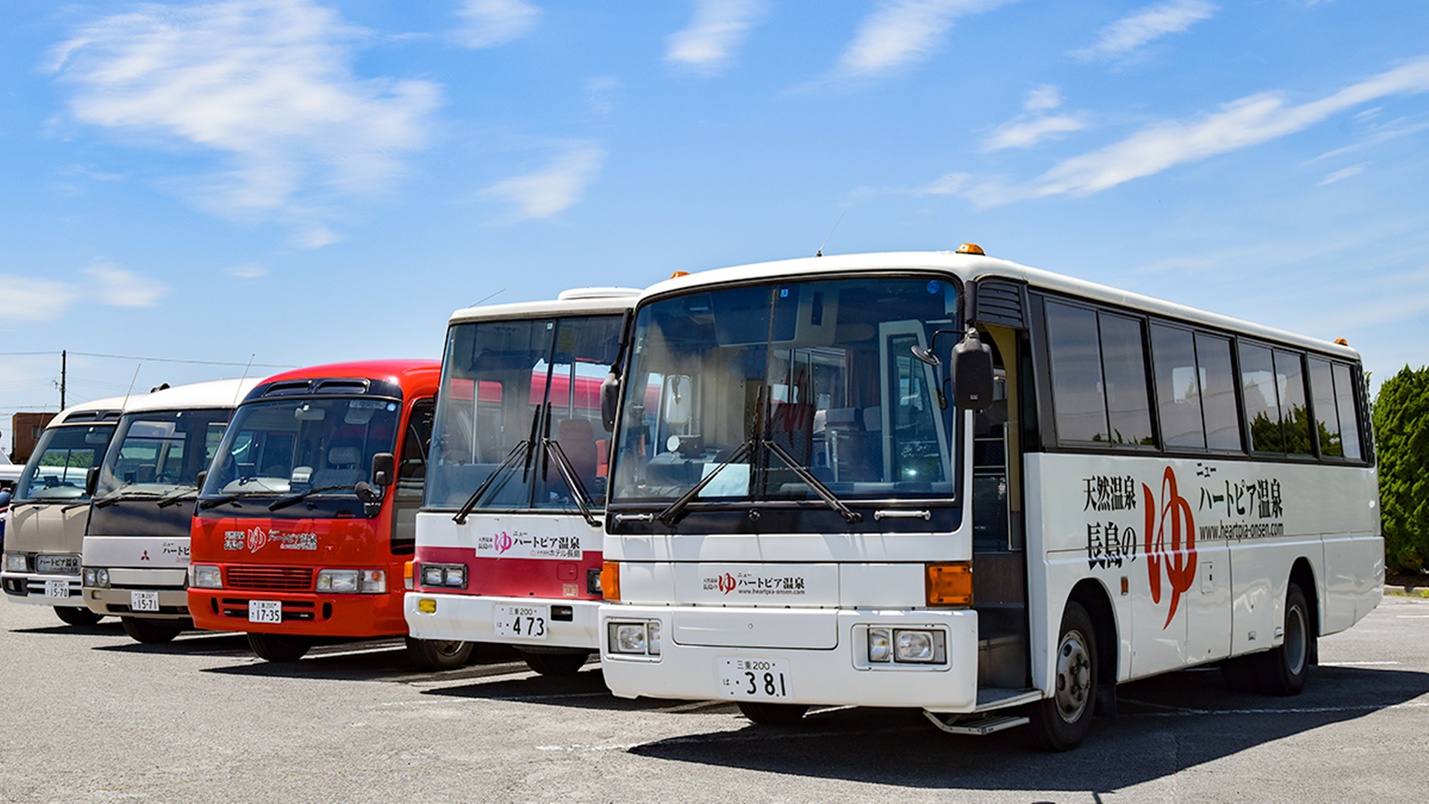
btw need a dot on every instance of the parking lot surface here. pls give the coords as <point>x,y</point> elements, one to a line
<point>91,715</point>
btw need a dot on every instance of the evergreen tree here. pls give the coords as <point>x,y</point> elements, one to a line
<point>1401,430</point>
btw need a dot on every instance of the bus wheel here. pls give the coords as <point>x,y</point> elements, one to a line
<point>150,631</point>
<point>772,714</point>
<point>438,654</point>
<point>278,647</point>
<point>556,664</point>
<point>1062,721</point>
<point>73,615</point>
<point>1284,668</point>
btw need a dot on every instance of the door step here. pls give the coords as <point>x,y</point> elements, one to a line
<point>976,725</point>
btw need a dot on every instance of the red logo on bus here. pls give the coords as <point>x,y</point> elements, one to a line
<point>726,583</point>
<point>1170,542</point>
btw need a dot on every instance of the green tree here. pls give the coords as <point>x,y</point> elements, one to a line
<point>1401,431</point>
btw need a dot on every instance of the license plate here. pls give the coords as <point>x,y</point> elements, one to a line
<point>143,601</point>
<point>57,589</point>
<point>265,611</point>
<point>522,621</point>
<point>754,679</point>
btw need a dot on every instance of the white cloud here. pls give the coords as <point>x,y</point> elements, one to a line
<point>903,32</point>
<point>494,22</point>
<point>29,300</point>
<point>718,27</point>
<point>1342,174</point>
<point>1240,124</point>
<point>547,192</point>
<point>120,288</point>
<point>249,270</point>
<point>1150,23</point>
<point>1034,125</point>
<point>600,92</point>
<point>265,84</point>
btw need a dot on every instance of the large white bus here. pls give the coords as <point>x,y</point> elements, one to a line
<point>952,482</point>
<point>509,535</point>
<point>136,545</point>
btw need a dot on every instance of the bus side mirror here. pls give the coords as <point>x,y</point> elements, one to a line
<point>609,401</point>
<point>91,481</point>
<point>200,479</point>
<point>972,373</point>
<point>383,468</point>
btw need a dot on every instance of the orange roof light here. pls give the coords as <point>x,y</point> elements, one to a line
<point>971,248</point>
<point>950,584</point>
<point>1342,342</point>
<point>678,274</point>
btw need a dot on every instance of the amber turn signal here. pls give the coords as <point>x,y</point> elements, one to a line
<point>610,580</point>
<point>950,584</point>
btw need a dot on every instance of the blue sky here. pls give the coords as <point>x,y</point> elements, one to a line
<point>186,187</point>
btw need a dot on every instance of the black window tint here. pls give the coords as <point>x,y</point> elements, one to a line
<point>1124,367</point>
<point>1213,357</point>
<point>1178,387</point>
<point>1294,414</point>
<point>1349,412</point>
<point>1327,419</point>
<point>1076,374</point>
<point>1262,405</point>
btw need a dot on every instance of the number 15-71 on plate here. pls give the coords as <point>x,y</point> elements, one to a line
<point>756,679</point>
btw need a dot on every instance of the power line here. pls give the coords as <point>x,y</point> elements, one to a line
<point>190,362</point>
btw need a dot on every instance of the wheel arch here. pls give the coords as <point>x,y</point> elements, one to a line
<point>1302,574</point>
<point>1096,600</point>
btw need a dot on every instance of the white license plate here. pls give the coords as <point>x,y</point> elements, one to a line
<point>143,601</point>
<point>265,611</point>
<point>529,622</point>
<point>57,589</point>
<point>754,679</point>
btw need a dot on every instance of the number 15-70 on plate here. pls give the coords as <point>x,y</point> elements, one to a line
<point>764,679</point>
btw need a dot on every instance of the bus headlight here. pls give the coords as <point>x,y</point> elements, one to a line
<point>343,582</point>
<point>17,562</point>
<point>634,638</point>
<point>96,577</point>
<point>880,644</point>
<point>205,576</point>
<point>888,645</point>
<point>453,575</point>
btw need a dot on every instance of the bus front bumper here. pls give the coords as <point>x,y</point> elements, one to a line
<point>820,657</point>
<point>302,613</point>
<point>42,590</point>
<point>157,594</point>
<point>517,621</point>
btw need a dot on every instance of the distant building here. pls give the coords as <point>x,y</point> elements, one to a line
<point>25,429</point>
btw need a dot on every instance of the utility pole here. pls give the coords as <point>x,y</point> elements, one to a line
<point>64,365</point>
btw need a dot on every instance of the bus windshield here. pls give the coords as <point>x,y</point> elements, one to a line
<point>303,444</point>
<point>784,391</point>
<point>519,398</point>
<point>65,455</point>
<point>161,452</point>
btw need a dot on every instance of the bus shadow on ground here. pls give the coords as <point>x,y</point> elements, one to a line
<point>583,690</point>
<point>188,643</point>
<point>1163,725</point>
<point>104,628</point>
<point>367,660</point>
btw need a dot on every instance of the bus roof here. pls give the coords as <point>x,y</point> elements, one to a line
<point>971,267</point>
<point>573,301</point>
<point>99,410</point>
<point>212,394</point>
<point>412,376</point>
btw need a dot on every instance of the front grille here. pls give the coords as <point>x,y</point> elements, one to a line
<point>290,579</point>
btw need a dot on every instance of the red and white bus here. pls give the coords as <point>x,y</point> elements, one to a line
<point>306,519</point>
<point>956,483</point>
<point>509,538</point>
<point>136,545</point>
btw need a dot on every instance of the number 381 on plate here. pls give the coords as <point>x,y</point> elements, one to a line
<point>756,679</point>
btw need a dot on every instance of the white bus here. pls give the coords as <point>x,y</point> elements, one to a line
<point>136,545</point>
<point>832,504</point>
<point>509,535</point>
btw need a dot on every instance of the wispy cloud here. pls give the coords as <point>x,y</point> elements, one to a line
<point>551,190</point>
<point>1240,124</point>
<point>1035,124</point>
<point>718,27</point>
<point>485,23</point>
<point>267,85</point>
<point>249,270</point>
<point>1147,24</point>
<point>1342,174</point>
<point>118,287</point>
<point>30,300</point>
<point>904,32</point>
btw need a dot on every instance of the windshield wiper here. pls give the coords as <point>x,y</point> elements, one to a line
<point>675,510</point>
<point>517,453</point>
<point>110,499</point>
<point>573,481</point>
<point>177,497</point>
<point>850,516</point>
<point>284,502</point>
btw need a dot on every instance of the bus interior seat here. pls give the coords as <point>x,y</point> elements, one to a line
<point>341,467</point>
<point>577,440</point>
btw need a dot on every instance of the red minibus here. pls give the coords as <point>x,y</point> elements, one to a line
<point>307,516</point>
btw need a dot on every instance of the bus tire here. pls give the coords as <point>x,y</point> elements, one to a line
<point>74,615</point>
<point>150,631</point>
<point>278,647</point>
<point>773,714</point>
<point>1061,722</point>
<point>1283,670</point>
<point>438,654</point>
<point>556,664</point>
